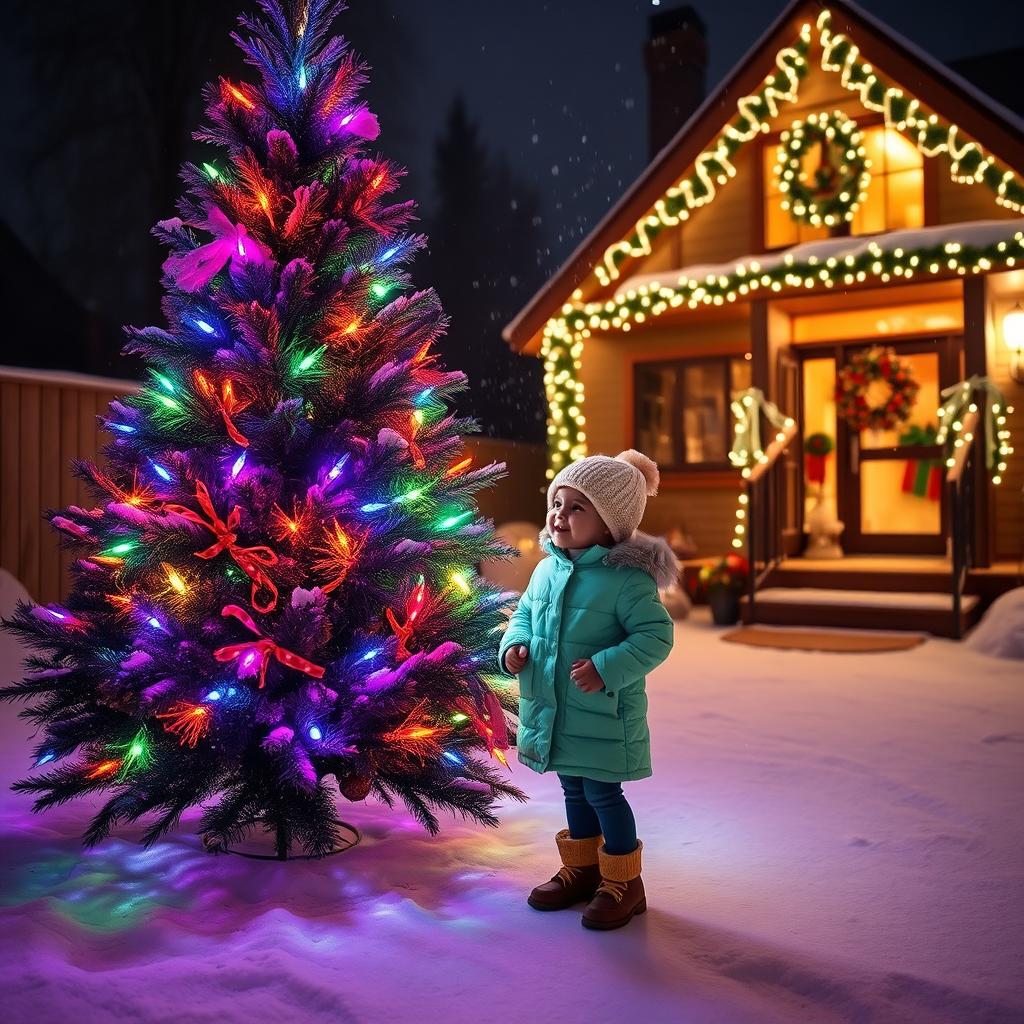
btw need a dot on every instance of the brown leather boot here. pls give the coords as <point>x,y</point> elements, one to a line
<point>577,878</point>
<point>621,892</point>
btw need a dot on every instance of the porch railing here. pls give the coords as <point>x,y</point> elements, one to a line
<point>960,495</point>
<point>763,489</point>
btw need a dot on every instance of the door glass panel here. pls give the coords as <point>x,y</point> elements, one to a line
<point>820,418</point>
<point>900,496</point>
<point>655,396</point>
<point>920,427</point>
<point>704,409</point>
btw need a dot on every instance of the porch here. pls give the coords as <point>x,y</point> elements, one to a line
<point>895,592</point>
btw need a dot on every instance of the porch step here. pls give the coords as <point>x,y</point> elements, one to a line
<point>848,575</point>
<point>920,611</point>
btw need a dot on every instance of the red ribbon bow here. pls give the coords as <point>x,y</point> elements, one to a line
<point>265,648</point>
<point>250,560</point>
<point>227,404</point>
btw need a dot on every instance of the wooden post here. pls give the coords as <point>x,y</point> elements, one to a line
<point>976,362</point>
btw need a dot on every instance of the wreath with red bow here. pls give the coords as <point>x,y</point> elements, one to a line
<point>875,390</point>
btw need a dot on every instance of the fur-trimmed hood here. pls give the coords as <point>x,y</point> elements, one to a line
<point>641,551</point>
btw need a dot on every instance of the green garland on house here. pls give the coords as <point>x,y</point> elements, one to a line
<point>929,132</point>
<point>811,272</point>
<point>713,165</point>
<point>968,164</point>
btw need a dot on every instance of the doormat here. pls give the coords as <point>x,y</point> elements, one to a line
<point>815,640</point>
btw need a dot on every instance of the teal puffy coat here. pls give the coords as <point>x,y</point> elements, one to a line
<point>603,605</point>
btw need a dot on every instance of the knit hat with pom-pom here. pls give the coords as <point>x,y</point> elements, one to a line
<point>618,488</point>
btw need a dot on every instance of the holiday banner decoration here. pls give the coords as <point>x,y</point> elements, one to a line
<point>922,477</point>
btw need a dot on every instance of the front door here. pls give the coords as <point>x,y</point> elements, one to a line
<point>885,486</point>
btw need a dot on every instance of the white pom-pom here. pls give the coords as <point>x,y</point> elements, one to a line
<point>648,467</point>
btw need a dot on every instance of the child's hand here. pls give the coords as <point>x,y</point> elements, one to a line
<point>585,676</point>
<point>516,657</point>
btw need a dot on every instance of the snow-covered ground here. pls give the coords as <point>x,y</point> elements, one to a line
<point>827,838</point>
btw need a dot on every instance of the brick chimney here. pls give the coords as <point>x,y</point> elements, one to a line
<point>676,56</point>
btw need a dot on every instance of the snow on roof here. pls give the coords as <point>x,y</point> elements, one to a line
<point>977,233</point>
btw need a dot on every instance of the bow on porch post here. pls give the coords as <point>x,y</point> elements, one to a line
<point>750,455</point>
<point>964,398</point>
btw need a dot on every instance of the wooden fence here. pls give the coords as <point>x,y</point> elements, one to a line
<point>48,418</point>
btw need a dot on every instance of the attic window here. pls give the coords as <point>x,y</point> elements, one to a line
<point>895,196</point>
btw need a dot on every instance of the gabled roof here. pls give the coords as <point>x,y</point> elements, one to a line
<point>995,128</point>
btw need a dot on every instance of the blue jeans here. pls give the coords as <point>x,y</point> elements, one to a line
<point>595,808</point>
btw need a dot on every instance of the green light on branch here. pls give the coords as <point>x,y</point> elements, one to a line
<point>416,492</point>
<point>121,549</point>
<point>211,172</point>
<point>309,360</point>
<point>165,382</point>
<point>379,289</point>
<point>452,521</point>
<point>135,754</point>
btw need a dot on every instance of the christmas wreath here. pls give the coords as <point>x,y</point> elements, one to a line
<point>841,178</point>
<point>875,390</point>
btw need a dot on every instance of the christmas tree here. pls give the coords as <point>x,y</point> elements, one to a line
<point>277,585</point>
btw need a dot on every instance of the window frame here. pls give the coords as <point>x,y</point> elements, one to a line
<point>677,417</point>
<point>771,141</point>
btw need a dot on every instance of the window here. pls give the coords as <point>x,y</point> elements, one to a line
<point>895,195</point>
<point>682,414</point>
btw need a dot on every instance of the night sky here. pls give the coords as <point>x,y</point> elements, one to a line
<point>557,86</point>
<point>542,76</point>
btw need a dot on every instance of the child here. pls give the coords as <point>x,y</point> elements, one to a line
<point>586,631</point>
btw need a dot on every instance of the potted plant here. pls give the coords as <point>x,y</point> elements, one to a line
<point>723,582</point>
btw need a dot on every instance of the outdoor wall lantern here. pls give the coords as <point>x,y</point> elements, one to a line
<point>1013,332</point>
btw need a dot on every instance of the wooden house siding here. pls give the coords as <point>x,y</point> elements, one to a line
<point>46,420</point>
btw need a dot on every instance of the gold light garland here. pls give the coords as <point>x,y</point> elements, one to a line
<point>564,334</point>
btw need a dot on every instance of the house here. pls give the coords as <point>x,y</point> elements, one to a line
<point>841,194</point>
